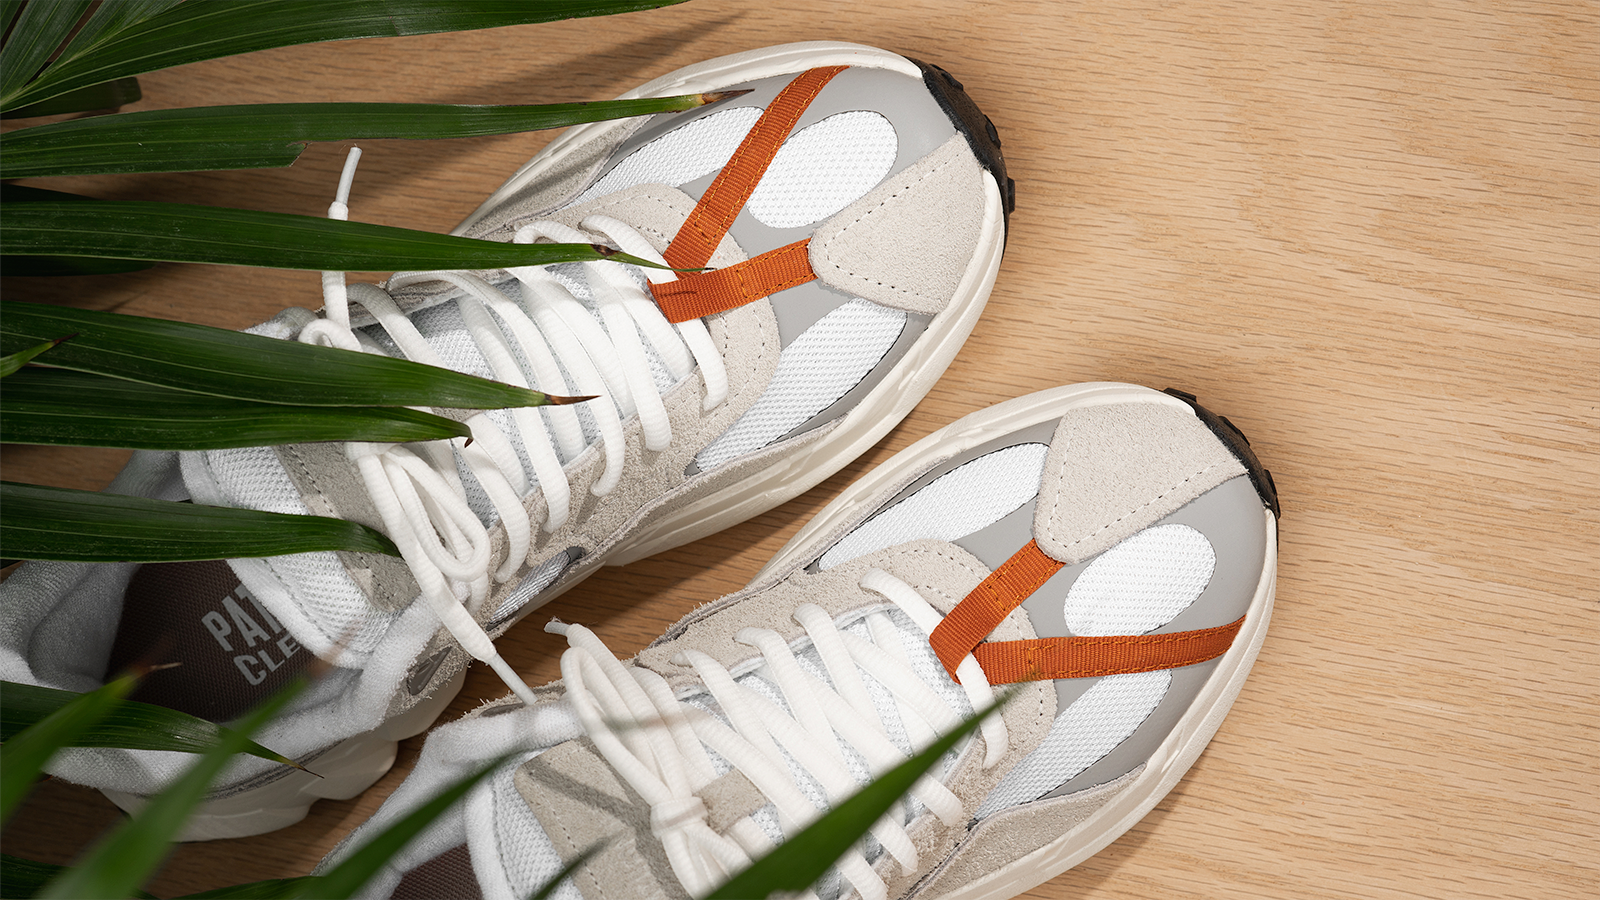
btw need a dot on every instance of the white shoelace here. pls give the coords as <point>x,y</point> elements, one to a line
<point>659,743</point>
<point>417,488</point>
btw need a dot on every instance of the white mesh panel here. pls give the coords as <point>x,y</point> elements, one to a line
<point>530,860</point>
<point>1142,583</point>
<point>319,584</point>
<point>679,156</point>
<point>816,369</point>
<point>1087,730</point>
<point>971,497</point>
<point>823,168</point>
<point>252,477</point>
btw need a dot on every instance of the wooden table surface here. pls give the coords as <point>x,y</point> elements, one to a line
<point>1367,232</point>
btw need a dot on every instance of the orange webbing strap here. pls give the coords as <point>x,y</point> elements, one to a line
<point>990,602</point>
<point>703,293</point>
<point>720,204</point>
<point>1008,662</point>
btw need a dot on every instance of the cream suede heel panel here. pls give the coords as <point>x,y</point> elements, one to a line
<point>1008,836</point>
<point>1113,469</point>
<point>885,234</point>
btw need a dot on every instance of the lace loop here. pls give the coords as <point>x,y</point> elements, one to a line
<point>662,744</point>
<point>547,339</point>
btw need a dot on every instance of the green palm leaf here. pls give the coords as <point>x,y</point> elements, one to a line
<point>274,134</point>
<point>177,232</point>
<point>107,96</point>
<point>137,847</point>
<point>127,725</point>
<point>26,755</point>
<point>39,30</point>
<point>85,526</point>
<point>64,408</point>
<point>223,363</point>
<point>208,29</point>
<point>798,862</point>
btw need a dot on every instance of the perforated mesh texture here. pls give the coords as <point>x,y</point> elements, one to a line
<point>527,855</point>
<point>253,478</point>
<point>816,369</point>
<point>968,498</point>
<point>823,168</point>
<point>1141,583</point>
<point>681,155</point>
<point>1090,728</point>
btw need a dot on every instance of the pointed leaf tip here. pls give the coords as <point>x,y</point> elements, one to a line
<point>557,400</point>
<point>710,97</point>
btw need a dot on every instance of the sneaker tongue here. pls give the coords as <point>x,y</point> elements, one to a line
<point>311,594</point>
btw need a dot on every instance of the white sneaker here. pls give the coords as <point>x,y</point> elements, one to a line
<point>834,307</point>
<point>1108,548</point>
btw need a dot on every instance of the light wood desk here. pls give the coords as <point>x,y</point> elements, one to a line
<point>1365,232</point>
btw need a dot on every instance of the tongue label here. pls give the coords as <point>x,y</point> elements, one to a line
<point>277,645</point>
<point>232,652</point>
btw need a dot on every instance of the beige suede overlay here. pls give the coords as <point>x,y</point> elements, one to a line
<point>330,486</point>
<point>579,802</point>
<point>1114,469</point>
<point>579,799</point>
<point>1011,834</point>
<point>878,247</point>
<point>730,798</point>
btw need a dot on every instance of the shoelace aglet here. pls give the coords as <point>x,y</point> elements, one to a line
<point>556,626</point>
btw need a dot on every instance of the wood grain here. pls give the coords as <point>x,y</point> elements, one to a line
<point>1367,232</point>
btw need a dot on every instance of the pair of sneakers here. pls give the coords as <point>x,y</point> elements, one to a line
<point>1107,548</point>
